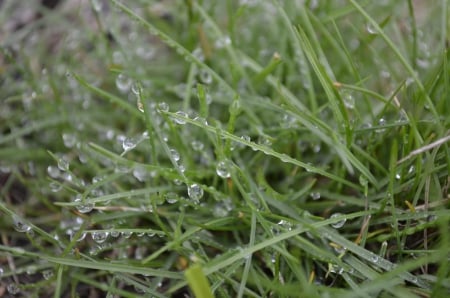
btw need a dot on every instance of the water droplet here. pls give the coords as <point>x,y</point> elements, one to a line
<point>197,145</point>
<point>126,234</point>
<point>381,122</point>
<point>246,138</point>
<point>315,195</point>
<point>20,225</point>
<point>181,168</point>
<point>114,233</point>
<point>63,164</point>
<point>205,77</point>
<point>220,209</point>
<point>180,121</point>
<point>1,272</point>
<point>411,169</point>
<point>195,192</point>
<point>47,274</point>
<point>99,236</point>
<point>285,224</point>
<point>171,197</point>
<point>162,107</point>
<point>13,288</point>
<point>69,140</point>
<point>175,155</point>
<point>262,140</point>
<point>80,237</point>
<point>338,224</point>
<point>201,120</point>
<point>140,173</point>
<point>83,208</point>
<point>129,144</point>
<point>349,100</point>
<point>123,83</point>
<point>370,28</point>
<point>223,169</point>
<point>222,42</point>
<point>374,258</point>
<point>55,186</point>
<point>398,176</point>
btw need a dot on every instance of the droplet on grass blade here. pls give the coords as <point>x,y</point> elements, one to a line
<point>315,195</point>
<point>47,274</point>
<point>20,225</point>
<point>63,164</point>
<point>178,120</point>
<point>69,140</point>
<point>99,236</point>
<point>174,154</point>
<point>83,208</point>
<point>123,83</point>
<point>223,169</point>
<point>162,107</point>
<point>53,172</point>
<point>339,224</point>
<point>129,144</point>
<point>195,192</point>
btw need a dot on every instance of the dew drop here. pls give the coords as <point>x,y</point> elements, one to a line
<point>205,77</point>
<point>197,145</point>
<point>162,107</point>
<point>140,173</point>
<point>126,234</point>
<point>315,195</point>
<point>63,164</point>
<point>201,120</point>
<point>55,186</point>
<point>220,210</point>
<point>175,155</point>
<point>181,168</point>
<point>1,272</point>
<point>349,100</point>
<point>178,120</point>
<point>195,192</point>
<point>381,122</point>
<point>223,169</point>
<point>99,236</point>
<point>13,288</point>
<point>47,274</point>
<point>123,83</point>
<point>114,233</point>
<point>285,224</point>
<point>339,224</point>
<point>69,140</point>
<point>371,29</point>
<point>171,197</point>
<point>374,258</point>
<point>129,144</point>
<point>83,208</point>
<point>20,225</point>
<point>222,42</point>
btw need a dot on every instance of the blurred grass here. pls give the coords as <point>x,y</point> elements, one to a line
<point>285,147</point>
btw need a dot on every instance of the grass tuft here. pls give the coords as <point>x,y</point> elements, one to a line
<point>224,149</point>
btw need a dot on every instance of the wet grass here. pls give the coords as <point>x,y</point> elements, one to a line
<point>225,149</point>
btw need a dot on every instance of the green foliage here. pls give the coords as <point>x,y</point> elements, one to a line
<point>225,148</point>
